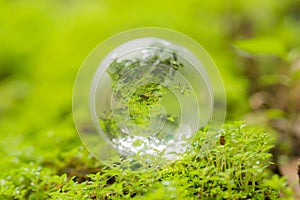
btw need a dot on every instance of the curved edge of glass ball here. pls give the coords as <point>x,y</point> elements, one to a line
<point>86,121</point>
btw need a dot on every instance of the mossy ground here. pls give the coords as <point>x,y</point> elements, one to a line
<point>234,168</point>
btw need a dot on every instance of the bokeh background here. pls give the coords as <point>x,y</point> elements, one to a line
<point>255,44</point>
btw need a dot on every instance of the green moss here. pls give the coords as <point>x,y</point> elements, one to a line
<point>236,168</point>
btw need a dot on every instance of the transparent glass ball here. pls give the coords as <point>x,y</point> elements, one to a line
<point>147,92</point>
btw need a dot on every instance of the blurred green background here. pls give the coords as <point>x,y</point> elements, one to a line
<point>254,43</point>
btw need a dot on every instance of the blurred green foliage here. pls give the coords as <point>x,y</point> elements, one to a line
<point>43,43</point>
